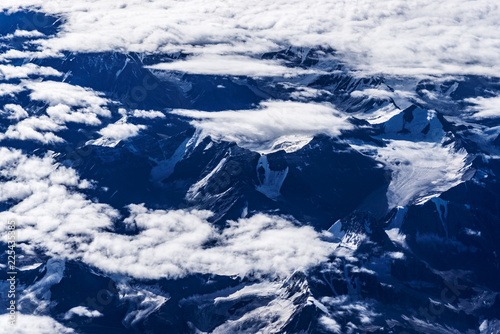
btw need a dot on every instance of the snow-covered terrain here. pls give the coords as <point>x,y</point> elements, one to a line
<point>253,167</point>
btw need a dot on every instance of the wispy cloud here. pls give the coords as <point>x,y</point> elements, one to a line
<point>232,65</point>
<point>271,126</point>
<point>485,107</point>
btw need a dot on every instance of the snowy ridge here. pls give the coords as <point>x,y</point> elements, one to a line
<point>270,181</point>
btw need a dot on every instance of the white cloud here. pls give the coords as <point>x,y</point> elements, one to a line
<point>9,89</point>
<point>232,65</point>
<point>392,37</point>
<point>53,216</point>
<point>485,107</point>
<point>34,128</point>
<point>23,34</point>
<point>148,114</point>
<point>330,324</point>
<point>121,130</point>
<point>14,54</point>
<point>174,244</point>
<point>62,114</point>
<point>62,98</point>
<point>274,125</point>
<point>55,93</point>
<point>373,93</point>
<point>66,103</point>
<point>81,311</point>
<point>24,176</point>
<point>26,33</point>
<point>17,54</point>
<point>114,133</point>
<point>29,324</point>
<point>402,98</point>
<point>8,72</point>
<point>15,111</point>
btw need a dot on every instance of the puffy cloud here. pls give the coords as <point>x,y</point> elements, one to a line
<point>67,103</point>
<point>15,111</point>
<point>485,107</point>
<point>23,34</point>
<point>29,324</point>
<point>8,72</point>
<point>55,93</point>
<point>275,125</point>
<point>42,128</point>
<point>50,213</point>
<point>175,243</point>
<point>231,65</point>
<point>121,130</point>
<point>81,311</point>
<point>17,54</point>
<point>148,114</point>
<point>330,324</point>
<point>24,176</point>
<point>9,89</point>
<point>28,33</point>
<point>34,128</point>
<point>393,37</point>
<point>114,133</point>
<point>62,114</point>
<point>54,217</point>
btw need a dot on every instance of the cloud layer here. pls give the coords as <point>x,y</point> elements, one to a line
<point>66,103</point>
<point>272,126</point>
<point>231,65</point>
<point>175,243</point>
<point>52,215</point>
<point>393,37</point>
